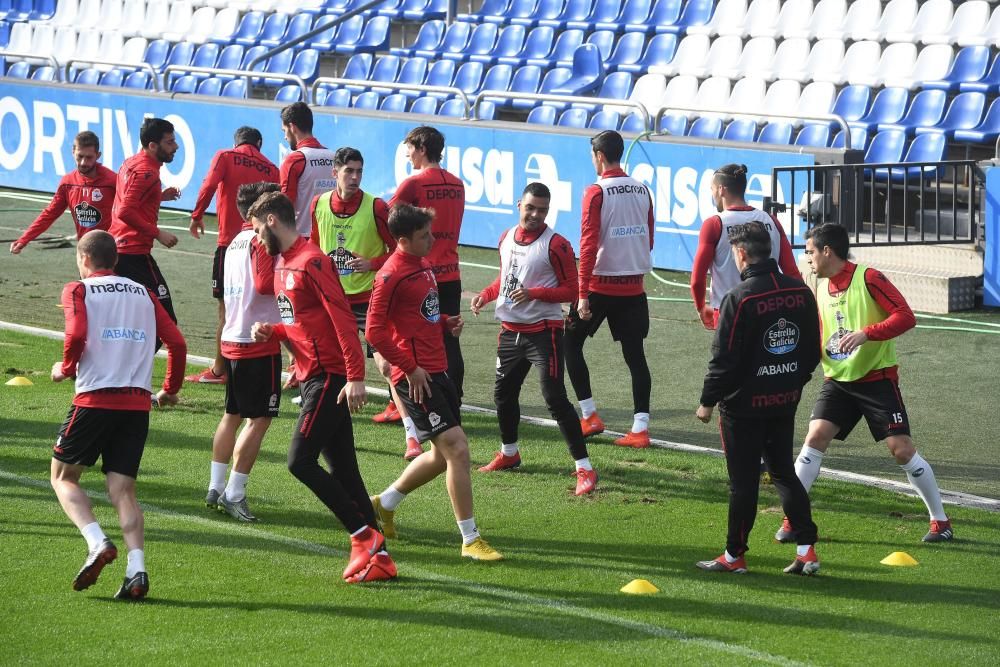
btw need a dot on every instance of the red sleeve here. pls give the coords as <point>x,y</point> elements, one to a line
<point>492,291</point>
<point>382,226</point>
<point>404,194</point>
<point>590,235</point>
<point>331,295</point>
<point>377,330</point>
<point>171,336</point>
<point>130,211</point>
<point>786,259</point>
<point>216,172</point>
<point>45,219</point>
<point>900,319</point>
<point>314,226</point>
<point>291,171</point>
<point>75,314</point>
<point>564,264</point>
<point>651,222</point>
<point>708,240</point>
<point>263,268</point>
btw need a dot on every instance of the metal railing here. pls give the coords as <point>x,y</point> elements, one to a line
<point>365,83</point>
<point>884,204</point>
<point>248,75</point>
<point>24,55</point>
<point>761,114</point>
<point>157,86</point>
<point>567,99</point>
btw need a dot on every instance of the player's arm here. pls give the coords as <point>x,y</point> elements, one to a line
<point>563,262</point>
<point>290,173</point>
<point>75,316</point>
<point>331,294</point>
<point>377,328</point>
<point>590,236</point>
<point>724,374</point>
<point>708,239</point>
<point>406,193</point>
<point>382,227</point>
<point>216,172</point>
<point>786,258</point>
<point>137,187</point>
<point>167,331</point>
<point>900,317</point>
<point>262,267</point>
<point>491,291</point>
<point>651,223</point>
<point>57,206</point>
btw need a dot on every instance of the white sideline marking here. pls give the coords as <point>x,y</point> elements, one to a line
<point>473,587</point>
<point>950,497</point>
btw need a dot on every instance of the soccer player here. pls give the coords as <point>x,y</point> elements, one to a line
<point>861,314</point>
<point>349,225</point>
<point>137,208</point>
<point>616,238</point>
<point>405,325</point>
<point>252,370</point>
<point>331,373</point>
<point>111,325</point>
<point>305,172</point>
<point>88,192</point>
<point>230,168</point>
<point>714,256</point>
<point>765,350</point>
<point>537,275</point>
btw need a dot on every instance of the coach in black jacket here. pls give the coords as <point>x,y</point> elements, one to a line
<point>765,349</point>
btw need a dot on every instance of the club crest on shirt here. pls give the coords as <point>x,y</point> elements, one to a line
<point>285,309</point>
<point>431,307</point>
<point>97,195</point>
<point>289,280</point>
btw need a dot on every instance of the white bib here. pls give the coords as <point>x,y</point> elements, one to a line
<point>624,246</point>
<point>244,305</point>
<point>526,266</point>
<point>725,275</point>
<point>316,178</point>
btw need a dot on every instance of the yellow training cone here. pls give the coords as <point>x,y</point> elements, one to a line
<point>899,559</point>
<point>19,381</point>
<point>639,587</point>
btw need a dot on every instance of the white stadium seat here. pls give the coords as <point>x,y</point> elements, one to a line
<point>793,21</point>
<point>88,45</point>
<point>20,37</point>
<point>178,23</point>
<point>88,14</point>
<point>64,44</point>
<point>226,22</point>
<point>932,64</point>
<point>691,53</point>
<point>933,17</point>
<point>202,23</point>
<point>65,14</point>
<point>133,17</point>
<point>828,19</point>
<point>110,17</point>
<point>970,18</point>
<point>789,60</point>
<point>724,52</point>
<point>897,19</point>
<point>111,45</point>
<point>42,38</point>
<point>824,62</point>
<point>816,98</point>
<point>157,13</point>
<point>782,97</point>
<point>862,19</point>
<point>648,91</point>
<point>757,56</point>
<point>134,50</point>
<point>860,61</point>
<point>762,17</point>
<point>748,94</point>
<point>897,61</point>
<point>680,90</point>
<point>713,93</point>
<point>729,15</point>
<point>989,35</point>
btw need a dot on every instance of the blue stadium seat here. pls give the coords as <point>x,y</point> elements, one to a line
<point>888,107</point>
<point>288,94</point>
<point>508,44</point>
<point>605,120</point>
<point>424,105</point>
<point>348,35</point>
<point>602,11</point>
<point>367,100</point>
<point>926,110</point>
<point>587,72</point>
<point>468,78</point>
<point>231,57</point>
<point>279,63</point>
<point>987,131</point>
<point>487,110</point>
<point>338,98</point>
<point>659,51</point>
<point>157,52</point>
<point>210,86</point>
<point>852,102</point>
<point>207,55</point>
<point>741,130</point>
<point>138,80</point>
<point>776,132</point>
<point>696,12</point>
<point>181,54</point>
<point>518,9</point>
<point>358,67</point>
<point>299,25</point>
<point>453,108</point>
<point>574,118</point>
<point>112,78</point>
<point>428,39</point>
<point>814,135</point>
<point>386,69</point>
<point>616,86</point>
<point>542,115</point>
<point>627,52</point>
<point>441,73</point>
<point>633,124</point>
<point>538,45</point>
<point>325,40</point>
<point>490,8</point>
<point>455,40</point>
<point>526,80</point>
<point>235,88</point>
<point>481,42</point>
<point>887,146</point>
<point>964,113</point>
<point>573,10</point>
<point>664,14</point>
<point>633,12</point>
<point>20,10</point>
<point>248,32</point>
<point>498,77</point>
<point>273,32</point>
<point>924,148</point>
<point>185,84</point>
<point>604,40</point>
<point>414,70</point>
<point>88,77</point>
<point>565,45</point>
<point>375,37</point>
<point>706,128</point>
<point>860,139</point>
<point>252,54</point>
<point>394,102</point>
<point>988,84</point>
<point>44,73</point>
<point>390,9</point>
<point>969,66</point>
<point>4,34</point>
<point>545,10</point>
<point>42,10</point>
<point>306,65</point>
<point>422,10</point>
<point>674,124</point>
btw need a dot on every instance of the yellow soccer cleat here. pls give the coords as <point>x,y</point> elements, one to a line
<point>384,517</point>
<point>479,549</point>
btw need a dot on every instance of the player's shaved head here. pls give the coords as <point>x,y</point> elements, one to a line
<point>100,247</point>
<point>405,219</point>
<point>248,193</point>
<point>273,204</point>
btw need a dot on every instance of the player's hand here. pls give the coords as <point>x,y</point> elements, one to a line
<point>16,247</point>
<point>420,384</point>
<point>261,332</point>
<point>477,305</point>
<point>197,228</point>
<point>583,309</point>
<point>703,414</point>
<point>164,399</point>
<point>707,315</point>
<point>360,264</point>
<point>57,374</point>
<point>170,194</point>
<point>355,393</point>
<point>520,295</point>
<point>166,238</point>
<point>853,341</point>
<point>455,324</point>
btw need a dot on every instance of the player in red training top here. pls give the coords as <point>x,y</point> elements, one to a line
<point>715,255</point>
<point>861,314</point>
<point>137,209</point>
<point>111,325</point>
<point>88,192</point>
<point>616,238</point>
<point>230,168</point>
<point>405,325</point>
<point>537,275</point>
<point>252,369</point>
<point>331,372</point>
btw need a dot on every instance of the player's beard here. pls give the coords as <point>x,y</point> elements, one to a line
<point>163,156</point>
<point>270,242</point>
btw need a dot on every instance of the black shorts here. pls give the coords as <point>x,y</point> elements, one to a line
<point>878,401</point>
<point>144,270</point>
<point>438,413</point>
<point>627,316</point>
<point>360,311</point>
<point>116,436</point>
<point>450,297</point>
<point>253,386</point>
<point>218,269</point>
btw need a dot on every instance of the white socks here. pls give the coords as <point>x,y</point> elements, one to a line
<point>584,464</point>
<point>469,531</point>
<point>217,482</point>
<point>802,549</point>
<point>640,422</point>
<point>508,450</point>
<point>921,477</point>
<point>587,407</point>
<point>93,534</point>
<point>411,428</point>
<point>236,490</point>
<point>390,498</point>
<point>807,466</point>
<point>730,558</point>
<point>136,563</point>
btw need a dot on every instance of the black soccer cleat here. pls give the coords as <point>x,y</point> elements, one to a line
<point>134,588</point>
<point>104,554</point>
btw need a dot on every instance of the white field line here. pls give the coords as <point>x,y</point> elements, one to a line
<point>472,587</point>
<point>951,497</point>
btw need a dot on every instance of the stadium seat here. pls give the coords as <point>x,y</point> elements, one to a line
<point>727,15</point>
<point>111,46</point>
<point>454,42</point>
<point>107,17</point>
<point>481,43</point>
<point>231,57</point>
<point>224,26</point>
<point>273,32</point>
<point>252,54</point>
<point>298,25</point>
<point>970,18</point>
<point>454,108</point>
<point>587,72</point>
<point>414,71</point>
<point>713,93</point>
<point>553,80</point>
<point>235,88</point>
<point>545,10</point>
<point>88,77</point>
<point>113,78</point>
<point>248,32</point>
<point>526,79</point>
<point>468,78</point>
<point>988,130</point>
<point>627,52</point>
<point>306,65</point>
<point>858,66</point>
<point>508,45</point>
<point>816,136</point>
<point>139,80</point>
<point>695,13</point>
<point>498,77</point>
<point>970,66</point>
<point>859,139</point>
<point>964,113</point>
<point>442,73</point>
<point>44,73</point>
<point>679,90</point>
<point>349,32</point>
<point>989,34</point>
<point>614,86</point>
<point>852,102</point>
<point>988,84</point>
<point>782,96</point>
<point>634,13</point>
<point>517,9</point>
<point>157,52</point>
<point>933,63</point>
<point>424,105</point>
<point>889,107</point>
<point>574,118</point>
<point>706,128</point>
<point>42,40</point>
<point>887,146</point>
<point>288,94</point>
<point>740,130</point>
<point>926,110</point>
<point>490,8</point>
<point>690,55</point>
<point>761,18</point>
<point>88,45</point>
<point>724,52</point>
<point>207,55</point>
<point>4,34</point>
<point>338,98</point>
<point>565,46</point>
<point>648,91</point>
<point>159,14</point>
<point>542,115</point>
<point>605,120</point>
<point>374,38</point>
<point>862,20</point>
<point>422,10</point>
<point>395,103</point>
<point>634,124</point>
<point>823,64</point>
<point>64,44</point>
<point>202,24</point>
<point>827,20</point>
<point>933,17</point>
<point>279,63</point>
<point>325,40</point>
<point>789,60</point>
<point>537,46</point>
<point>924,148</point>
<point>604,40</point>
<point>385,70</point>
<point>897,60</point>
<point>133,18</point>
<point>817,99</point>
<point>210,86</point>
<point>776,132</point>
<point>793,21</point>
<point>65,14</point>
<point>897,19</point>
<point>134,49</point>
<point>186,84</point>
<point>181,54</point>
<point>748,93</point>
<point>757,55</point>
<point>428,39</point>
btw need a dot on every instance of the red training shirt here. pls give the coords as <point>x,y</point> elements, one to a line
<point>438,189</point>
<point>590,239</point>
<point>310,300</point>
<point>229,170</point>
<point>89,200</point>
<point>137,205</point>
<point>75,312</point>
<point>293,166</point>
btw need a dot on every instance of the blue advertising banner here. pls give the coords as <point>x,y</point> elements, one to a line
<point>38,123</point>
<point>991,254</point>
